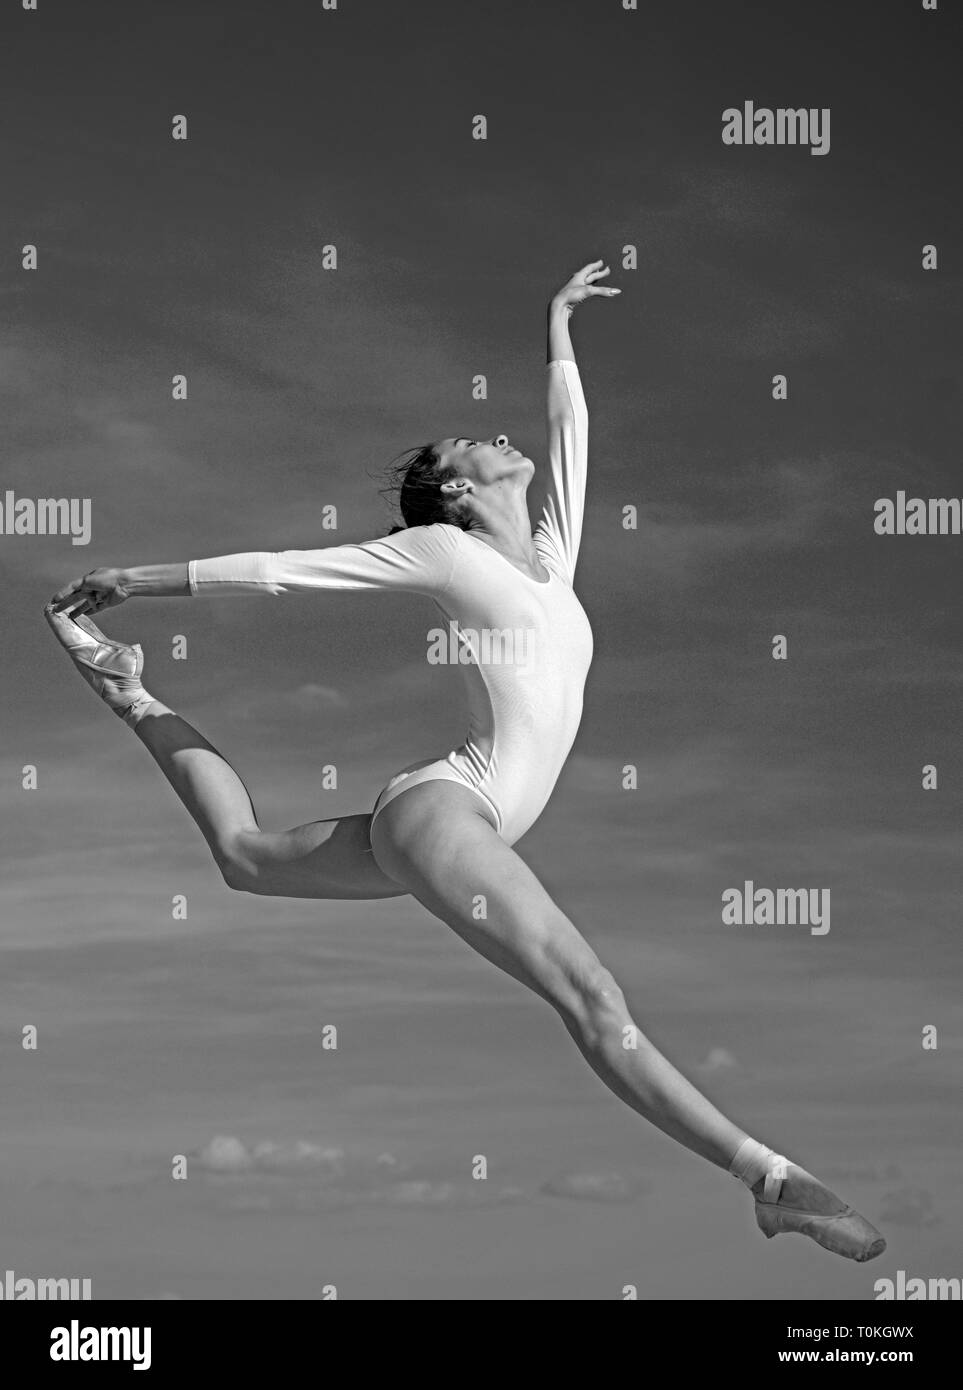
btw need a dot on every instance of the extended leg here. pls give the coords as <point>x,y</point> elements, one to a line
<point>434,840</point>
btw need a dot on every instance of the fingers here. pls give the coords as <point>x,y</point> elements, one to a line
<point>89,603</point>
<point>79,598</point>
<point>63,595</point>
<point>592,275</point>
<point>595,275</point>
<point>65,605</point>
<point>69,602</point>
<point>67,608</point>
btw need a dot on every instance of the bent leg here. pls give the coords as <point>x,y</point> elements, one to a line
<point>435,841</point>
<point>324,859</point>
<point>327,859</point>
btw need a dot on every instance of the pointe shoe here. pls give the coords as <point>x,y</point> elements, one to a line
<point>843,1233</point>
<point>112,669</point>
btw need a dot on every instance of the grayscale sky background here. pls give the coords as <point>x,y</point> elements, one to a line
<point>203,257</point>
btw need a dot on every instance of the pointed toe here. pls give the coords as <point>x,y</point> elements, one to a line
<point>845,1233</point>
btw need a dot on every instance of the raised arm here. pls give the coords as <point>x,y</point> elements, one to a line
<point>559,339</point>
<point>559,530</point>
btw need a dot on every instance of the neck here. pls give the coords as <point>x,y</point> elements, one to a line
<point>506,526</point>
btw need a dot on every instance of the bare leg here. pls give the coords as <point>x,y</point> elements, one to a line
<point>324,859</point>
<point>434,839</point>
<point>433,842</point>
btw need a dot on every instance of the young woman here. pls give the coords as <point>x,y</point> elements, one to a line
<point>442,830</point>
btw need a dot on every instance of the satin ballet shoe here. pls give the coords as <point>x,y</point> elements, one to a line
<point>112,669</point>
<point>845,1232</point>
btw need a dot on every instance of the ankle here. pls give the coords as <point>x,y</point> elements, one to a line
<point>751,1162</point>
<point>143,705</point>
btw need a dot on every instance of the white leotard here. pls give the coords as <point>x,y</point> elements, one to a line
<point>531,640</point>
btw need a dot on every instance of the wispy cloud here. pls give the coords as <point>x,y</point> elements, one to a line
<point>595,1187</point>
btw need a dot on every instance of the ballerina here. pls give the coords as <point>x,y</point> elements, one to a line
<point>442,830</point>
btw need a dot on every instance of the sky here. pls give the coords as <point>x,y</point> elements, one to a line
<point>310,1167</point>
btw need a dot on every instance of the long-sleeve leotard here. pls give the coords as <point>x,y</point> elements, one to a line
<point>524,646</point>
<point>558,533</point>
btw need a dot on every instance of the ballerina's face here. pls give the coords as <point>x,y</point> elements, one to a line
<point>484,461</point>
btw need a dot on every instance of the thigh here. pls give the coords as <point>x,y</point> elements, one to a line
<point>324,859</point>
<point>435,840</point>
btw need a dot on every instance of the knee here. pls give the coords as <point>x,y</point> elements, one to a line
<point>598,1010</point>
<point>234,872</point>
<point>600,992</point>
<point>235,878</point>
<point>589,999</point>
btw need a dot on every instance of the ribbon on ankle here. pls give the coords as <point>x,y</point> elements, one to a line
<point>753,1161</point>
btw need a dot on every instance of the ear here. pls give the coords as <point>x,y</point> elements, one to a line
<point>457,487</point>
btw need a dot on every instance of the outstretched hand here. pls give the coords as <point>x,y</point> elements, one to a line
<point>100,589</point>
<point>582,285</point>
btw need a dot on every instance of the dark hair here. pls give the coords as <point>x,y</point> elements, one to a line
<point>417,480</point>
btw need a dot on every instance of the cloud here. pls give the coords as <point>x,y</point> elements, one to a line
<point>421,1192</point>
<point>718,1061</point>
<point>299,1156</point>
<point>308,698</point>
<point>225,1154</point>
<point>302,1174</point>
<point>594,1187</point>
